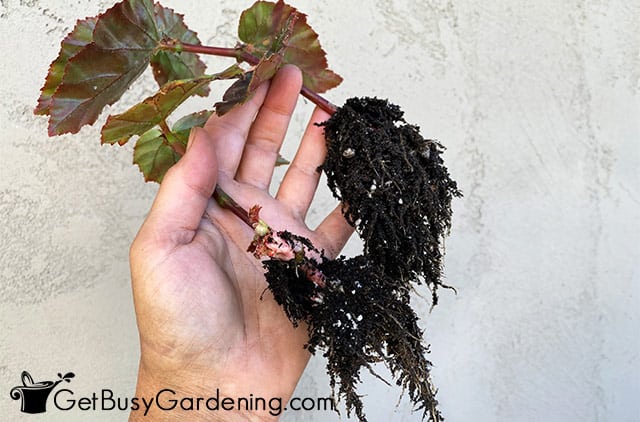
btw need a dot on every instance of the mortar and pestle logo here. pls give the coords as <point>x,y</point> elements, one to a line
<point>34,394</point>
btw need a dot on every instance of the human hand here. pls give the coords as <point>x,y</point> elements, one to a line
<point>204,318</point>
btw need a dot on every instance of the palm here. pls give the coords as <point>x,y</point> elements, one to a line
<point>201,299</point>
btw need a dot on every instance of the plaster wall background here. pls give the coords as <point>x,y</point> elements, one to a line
<point>539,106</point>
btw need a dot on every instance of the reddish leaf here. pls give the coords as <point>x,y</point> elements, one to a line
<point>261,28</point>
<point>154,156</point>
<point>81,35</point>
<point>242,90</point>
<point>147,114</point>
<point>267,66</point>
<point>237,93</point>
<point>125,38</point>
<point>92,80</point>
<point>265,70</point>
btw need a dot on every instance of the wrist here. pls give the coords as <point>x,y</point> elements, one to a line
<point>185,397</point>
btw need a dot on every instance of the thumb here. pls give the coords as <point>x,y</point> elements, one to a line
<point>184,193</point>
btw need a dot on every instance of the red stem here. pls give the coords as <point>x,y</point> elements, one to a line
<point>225,201</point>
<point>318,100</point>
<point>241,55</point>
<point>237,53</point>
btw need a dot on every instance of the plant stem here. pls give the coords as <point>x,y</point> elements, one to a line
<point>318,100</point>
<point>237,53</point>
<point>242,55</point>
<point>226,201</point>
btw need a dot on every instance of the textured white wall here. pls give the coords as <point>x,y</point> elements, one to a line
<point>539,105</point>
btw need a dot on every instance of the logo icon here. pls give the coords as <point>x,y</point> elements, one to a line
<point>34,394</point>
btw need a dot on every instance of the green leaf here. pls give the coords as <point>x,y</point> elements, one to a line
<point>147,114</point>
<point>154,156</point>
<point>281,161</point>
<point>264,28</point>
<point>182,128</point>
<point>125,39</point>
<point>168,65</point>
<point>81,35</point>
<point>155,109</point>
<point>153,153</point>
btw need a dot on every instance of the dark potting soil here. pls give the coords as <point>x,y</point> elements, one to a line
<point>364,318</point>
<point>397,194</point>
<point>395,187</point>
